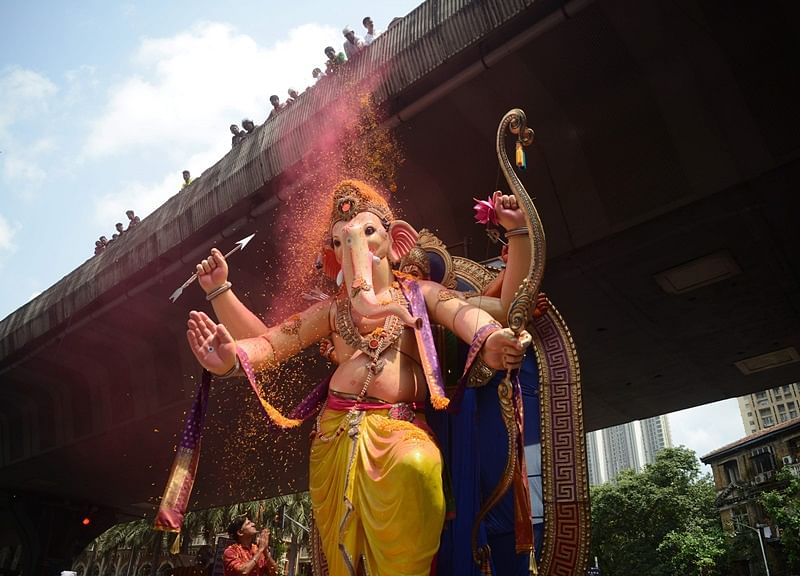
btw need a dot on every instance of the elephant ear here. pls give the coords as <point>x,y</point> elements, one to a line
<point>404,238</point>
<point>330,267</point>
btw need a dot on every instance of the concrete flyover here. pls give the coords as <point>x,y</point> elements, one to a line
<point>666,171</point>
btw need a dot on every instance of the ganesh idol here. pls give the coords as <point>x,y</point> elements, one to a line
<point>375,477</point>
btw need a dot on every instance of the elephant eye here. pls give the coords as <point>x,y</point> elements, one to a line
<point>336,243</point>
<point>369,230</point>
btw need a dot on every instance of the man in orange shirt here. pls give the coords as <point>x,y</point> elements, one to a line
<point>249,554</point>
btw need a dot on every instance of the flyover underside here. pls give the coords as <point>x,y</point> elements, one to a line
<point>656,146</point>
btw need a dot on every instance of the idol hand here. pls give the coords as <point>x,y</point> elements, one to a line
<point>211,344</point>
<point>212,272</point>
<point>542,305</point>
<point>509,214</point>
<point>504,351</point>
<point>240,245</point>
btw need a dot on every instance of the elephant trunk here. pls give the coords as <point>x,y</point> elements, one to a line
<point>357,265</point>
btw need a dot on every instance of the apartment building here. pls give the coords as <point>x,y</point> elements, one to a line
<point>767,408</point>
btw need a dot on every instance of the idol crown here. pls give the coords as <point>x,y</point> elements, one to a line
<point>417,260</point>
<point>351,197</point>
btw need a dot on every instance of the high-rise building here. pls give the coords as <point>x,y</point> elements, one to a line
<point>620,450</point>
<point>769,407</point>
<point>625,447</point>
<point>655,436</point>
<point>593,459</point>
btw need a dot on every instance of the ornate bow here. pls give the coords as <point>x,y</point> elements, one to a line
<point>519,312</point>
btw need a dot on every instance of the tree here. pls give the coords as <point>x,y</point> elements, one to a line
<point>695,550</point>
<point>131,536</point>
<point>659,522</point>
<point>783,507</point>
<point>298,508</point>
<point>139,536</point>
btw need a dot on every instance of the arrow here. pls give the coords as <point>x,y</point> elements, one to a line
<point>240,245</point>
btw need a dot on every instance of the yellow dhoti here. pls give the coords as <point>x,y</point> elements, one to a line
<point>376,493</point>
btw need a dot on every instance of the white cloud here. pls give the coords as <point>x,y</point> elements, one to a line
<point>184,93</point>
<point>143,197</point>
<point>708,427</point>
<point>7,232</point>
<point>140,197</point>
<point>186,90</point>
<point>23,167</point>
<point>24,170</point>
<point>25,97</point>
<point>23,94</point>
<point>78,85</point>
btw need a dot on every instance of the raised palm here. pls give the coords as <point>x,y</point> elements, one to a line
<point>211,344</point>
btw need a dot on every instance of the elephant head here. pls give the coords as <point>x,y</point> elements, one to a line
<point>365,240</point>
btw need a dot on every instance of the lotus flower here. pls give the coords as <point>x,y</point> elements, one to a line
<point>484,211</point>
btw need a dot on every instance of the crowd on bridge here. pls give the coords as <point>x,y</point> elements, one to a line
<point>353,45</point>
<point>103,242</point>
<point>335,61</point>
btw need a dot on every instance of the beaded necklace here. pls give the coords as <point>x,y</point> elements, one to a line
<point>372,345</point>
<point>376,342</point>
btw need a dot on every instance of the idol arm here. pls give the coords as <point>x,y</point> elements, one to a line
<point>216,349</point>
<point>519,258</point>
<point>278,343</point>
<point>500,349</point>
<point>240,321</point>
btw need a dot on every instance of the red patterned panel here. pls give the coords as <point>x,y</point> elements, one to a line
<point>564,477</point>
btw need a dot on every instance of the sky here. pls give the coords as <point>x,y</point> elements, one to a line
<point>103,104</point>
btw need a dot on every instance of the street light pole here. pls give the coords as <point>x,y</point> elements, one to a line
<point>760,543</point>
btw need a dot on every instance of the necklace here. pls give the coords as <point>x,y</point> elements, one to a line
<point>376,342</point>
<point>372,345</point>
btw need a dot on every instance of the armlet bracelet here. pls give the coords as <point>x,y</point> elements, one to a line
<point>517,232</point>
<point>219,290</point>
<point>479,374</point>
<point>236,370</point>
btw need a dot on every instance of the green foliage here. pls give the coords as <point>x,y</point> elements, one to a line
<point>659,522</point>
<point>210,522</point>
<point>783,507</point>
<point>131,535</point>
<point>695,549</point>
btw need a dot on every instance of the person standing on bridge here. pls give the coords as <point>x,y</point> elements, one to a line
<point>238,135</point>
<point>248,555</point>
<point>334,61</point>
<point>371,34</point>
<point>277,107</point>
<point>352,43</point>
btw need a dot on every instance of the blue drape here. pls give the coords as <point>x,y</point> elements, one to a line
<point>474,445</point>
